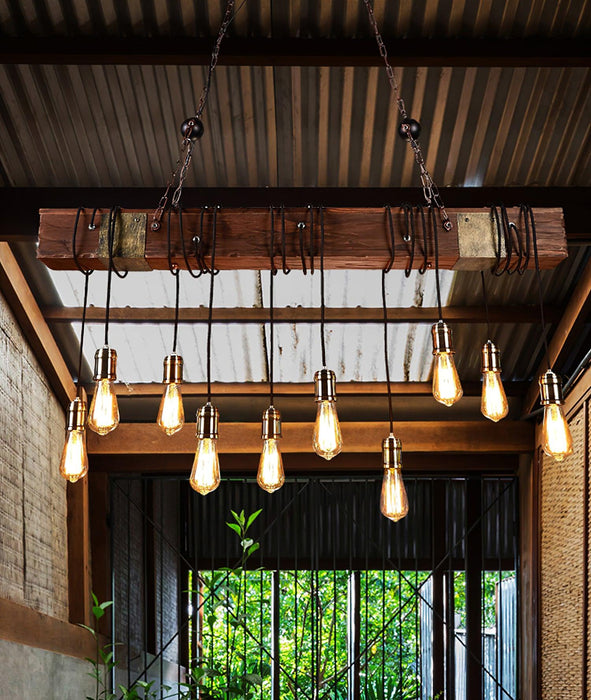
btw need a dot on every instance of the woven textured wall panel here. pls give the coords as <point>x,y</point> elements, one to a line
<point>33,538</point>
<point>562,572</point>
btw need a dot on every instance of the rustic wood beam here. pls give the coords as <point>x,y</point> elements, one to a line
<point>304,390</point>
<point>242,438</point>
<point>20,206</point>
<point>300,463</point>
<point>16,290</point>
<point>79,562</point>
<point>243,239</point>
<point>23,625</point>
<point>575,314</point>
<point>455,314</point>
<point>437,51</point>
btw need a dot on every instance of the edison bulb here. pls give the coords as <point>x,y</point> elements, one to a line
<point>393,501</point>
<point>74,462</point>
<point>447,388</point>
<point>104,411</point>
<point>328,441</point>
<point>557,440</point>
<point>205,475</point>
<point>171,415</point>
<point>493,404</point>
<point>270,476</point>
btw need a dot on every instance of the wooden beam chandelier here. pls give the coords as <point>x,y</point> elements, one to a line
<point>206,240</point>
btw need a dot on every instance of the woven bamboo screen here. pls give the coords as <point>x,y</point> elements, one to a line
<point>564,574</point>
<point>33,544</point>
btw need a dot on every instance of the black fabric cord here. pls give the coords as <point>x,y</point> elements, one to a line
<point>392,239</point>
<point>272,273</point>
<point>485,300</point>
<point>86,273</point>
<point>211,289</point>
<point>175,272</point>
<point>112,269</point>
<point>322,337</point>
<point>436,246</point>
<point>386,358</point>
<point>530,229</point>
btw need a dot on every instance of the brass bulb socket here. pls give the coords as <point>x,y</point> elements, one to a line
<point>76,414</point>
<point>550,389</point>
<point>271,424</point>
<point>392,452</point>
<point>208,418</point>
<point>105,364</point>
<point>442,338</point>
<point>173,369</point>
<point>325,385</point>
<point>491,357</point>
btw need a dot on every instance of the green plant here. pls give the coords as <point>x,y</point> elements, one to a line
<point>103,663</point>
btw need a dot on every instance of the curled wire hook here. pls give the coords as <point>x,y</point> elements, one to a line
<point>84,270</point>
<point>503,235</point>
<point>183,246</point>
<point>286,269</point>
<point>425,264</point>
<point>392,240</point>
<point>409,235</point>
<point>301,227</point>
<point>92,225</point>
<point>111,242</point>
<point>272,243</point>
<point>311,211</point>
<point>212,269</point>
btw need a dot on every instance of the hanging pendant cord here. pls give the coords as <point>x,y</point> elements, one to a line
<point>272,273</point>
<point>530,229</point>
<point>436,248</point>
<point>322,314</point>
<point>86,272</point>
<point>485,300</point>
<point>211,289</point>
<point>175,272</point>
<point>386,358</point>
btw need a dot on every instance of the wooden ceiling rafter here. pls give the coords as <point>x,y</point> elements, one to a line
<point>286,51</point>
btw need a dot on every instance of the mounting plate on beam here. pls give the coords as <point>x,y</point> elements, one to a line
<point>477,242</point>
<point>129,241</point>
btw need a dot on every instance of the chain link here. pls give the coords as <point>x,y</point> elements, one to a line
<point>430,189</point>
<point>183,162</point>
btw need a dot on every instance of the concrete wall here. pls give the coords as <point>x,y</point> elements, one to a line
<point>33,534</point>
<point>26,672</point>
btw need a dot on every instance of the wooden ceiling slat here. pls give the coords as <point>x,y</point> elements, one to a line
<point>460,125</point>
<point>345,126</point>
<point>369,131</point>
<point>418,98</point>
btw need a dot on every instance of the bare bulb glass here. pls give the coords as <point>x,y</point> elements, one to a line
<point>393,501</point>
<point>171,415</point>
<point>104,411</point>
<point>271,476</point>
<point>74,462</point>
<point>557,440</point>
<point>493,403</point>
<point>447,388</point>
<point>205,475</point>
<point>328,441</point>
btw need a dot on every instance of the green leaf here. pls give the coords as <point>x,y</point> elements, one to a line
<point>94,598</point>
<point>88,629</point>
<point>235,527</point>
<point>253,548</point>
<point>252,517</point>
<point>97,611</point>
<point>253,679</point>
<point>106,604</point>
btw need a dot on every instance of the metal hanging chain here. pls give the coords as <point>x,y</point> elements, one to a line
<point>192,128</point>
<point>430,189</point>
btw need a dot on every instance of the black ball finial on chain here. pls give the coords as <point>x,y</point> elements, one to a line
<point>409,125</point>
<point>192,128</point>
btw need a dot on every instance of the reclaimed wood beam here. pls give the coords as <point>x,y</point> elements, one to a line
<point>474,437</point>
<point>355,238</point>
<point>455,314</point>
<point>576,313</point>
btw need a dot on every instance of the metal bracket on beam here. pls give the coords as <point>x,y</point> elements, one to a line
<point>129,241</point>
<point>477,242</point>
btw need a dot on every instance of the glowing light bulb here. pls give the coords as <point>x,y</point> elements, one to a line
<point>104,411</point>
<point>205,475</point>
<point>556,436</point>
<point>270,475</point>
<point>493,403</point>
<point>327,440</point>
<point>393,500</point>
<point>74,461</point>
<point>447,388</point>
<point>171,415</point>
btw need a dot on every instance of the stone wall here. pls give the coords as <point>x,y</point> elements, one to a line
<point>33,539</point>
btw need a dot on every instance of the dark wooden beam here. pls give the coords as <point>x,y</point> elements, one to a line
<point>20,206</point>
<point>455,314</point>
<point>243,239</point>
<point>79,549</point>
<point>300,463</point>
<point>437,51</point>
<point>475,437</point>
